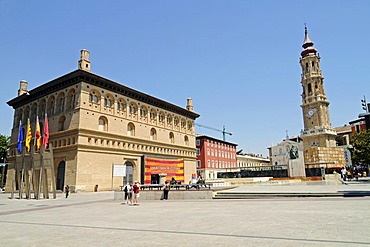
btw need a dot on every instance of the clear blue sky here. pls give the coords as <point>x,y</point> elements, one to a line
<point>237,60</point>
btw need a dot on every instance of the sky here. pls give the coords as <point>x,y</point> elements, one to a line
<point>238,59</point>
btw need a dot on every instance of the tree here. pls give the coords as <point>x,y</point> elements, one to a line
<point>4,145</point>
<point>361,148</point>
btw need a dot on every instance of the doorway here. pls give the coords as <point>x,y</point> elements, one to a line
<point>154,179</point>
<point>129,178</point>
<point>60,175</point>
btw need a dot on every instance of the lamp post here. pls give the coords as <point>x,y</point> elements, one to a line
<point>365,115</point>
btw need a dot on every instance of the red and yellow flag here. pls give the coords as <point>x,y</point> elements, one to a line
<point>38,134</point>
<point>28,136</point>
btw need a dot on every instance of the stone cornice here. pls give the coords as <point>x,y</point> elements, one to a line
<point>79,76</point>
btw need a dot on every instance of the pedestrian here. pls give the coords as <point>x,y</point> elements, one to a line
<point>136,190</point>
<point>67,190</point>
<point>344,174</point>
<point>166,189</point>
<point>127,190</point>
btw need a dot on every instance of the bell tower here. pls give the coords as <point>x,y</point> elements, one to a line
<point>315,106</point>
<point>318,134</point>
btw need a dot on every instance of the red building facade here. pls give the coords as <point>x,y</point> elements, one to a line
<point>214,156</point>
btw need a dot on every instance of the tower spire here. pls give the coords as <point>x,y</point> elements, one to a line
<point>307,44</point>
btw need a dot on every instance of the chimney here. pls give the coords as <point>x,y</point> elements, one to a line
<point>189,105</point>
<point>84,62</point>
<point>22,87</point>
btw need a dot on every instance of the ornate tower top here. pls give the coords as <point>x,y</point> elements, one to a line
<point>307,45</point>
<point>84,62</point>
<point>189,105</point>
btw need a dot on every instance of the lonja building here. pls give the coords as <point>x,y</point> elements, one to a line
<point>97,125</point>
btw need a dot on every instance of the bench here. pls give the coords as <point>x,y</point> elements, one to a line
<point>197,186</point>
<point>177,186</point>
<point>151,186</point>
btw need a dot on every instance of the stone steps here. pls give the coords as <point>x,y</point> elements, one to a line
<point>265,195</point>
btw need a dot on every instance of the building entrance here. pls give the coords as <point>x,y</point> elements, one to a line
<point>154,179</point>
<point>129,178</point>
<point>61,175</point>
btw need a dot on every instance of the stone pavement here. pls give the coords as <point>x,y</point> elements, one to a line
<point>95,219</point>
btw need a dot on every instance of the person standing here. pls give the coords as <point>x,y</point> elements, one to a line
<point>67,190</point>
<point>166,189</point>
<point>344,174</point>
<point>136,190</point>
<point>127,190</point>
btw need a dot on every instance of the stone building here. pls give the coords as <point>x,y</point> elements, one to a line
<point>252,162</point>
<point>96,123</point>
<point>318,136</point>
<point>288,155</point>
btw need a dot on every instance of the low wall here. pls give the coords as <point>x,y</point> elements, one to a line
<point>172,195</point>
<point>240,181</point>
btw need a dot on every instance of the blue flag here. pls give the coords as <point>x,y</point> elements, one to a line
<point>20,138</point>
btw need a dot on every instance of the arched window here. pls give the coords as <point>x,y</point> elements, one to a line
<point>176,121</point>
<point>26,114</point>
<point>121,105</point>
<point>133,109</point>
<point>51,106</point>
<point>19,117</point>
<point>60,102</point>
<point>183,123</point>
<point>33,112</point>
<point>161,117</point>
<point>71,99</point>
<point>94,97</point>
<point>143,112</point>
<point>61,123</point>
<point>171,137</point>
<point>103,124</point>
<point>108,101</point>
<point>153,114</point>
<point>169,119</point>
<point>130,129</point>
<point>190,125</point>
<point>186,140</point>
<point>42,108</point>
<point>153,134</point>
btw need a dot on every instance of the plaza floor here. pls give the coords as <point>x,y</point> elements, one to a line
<point>95,219</point>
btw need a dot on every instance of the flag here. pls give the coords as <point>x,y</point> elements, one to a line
<point>20,138</point>
<point>46,132</point>
<point>29,136</point>
<point>38,134</point>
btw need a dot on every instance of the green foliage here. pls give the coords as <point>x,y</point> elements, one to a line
<point>4,144</point>
<point>361,148</point>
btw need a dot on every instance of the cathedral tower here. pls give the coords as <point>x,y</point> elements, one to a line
<point>318,135</point>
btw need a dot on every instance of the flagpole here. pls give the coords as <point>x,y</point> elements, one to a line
<point>22,172</point>
<point>22,177</point>
<point>32,163</point>
<point>41,162</point>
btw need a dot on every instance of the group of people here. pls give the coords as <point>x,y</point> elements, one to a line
<point>352,173</point>
<point>132,193</point>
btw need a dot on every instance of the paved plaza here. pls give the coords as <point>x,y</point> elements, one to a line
<point>95,219</point>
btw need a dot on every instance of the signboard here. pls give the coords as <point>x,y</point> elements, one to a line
<point>119,170</point>
<point>172,168</point>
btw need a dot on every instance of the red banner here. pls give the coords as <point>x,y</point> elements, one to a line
<point>172,168</point>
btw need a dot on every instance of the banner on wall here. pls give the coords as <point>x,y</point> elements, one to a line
<point>171,168</point>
